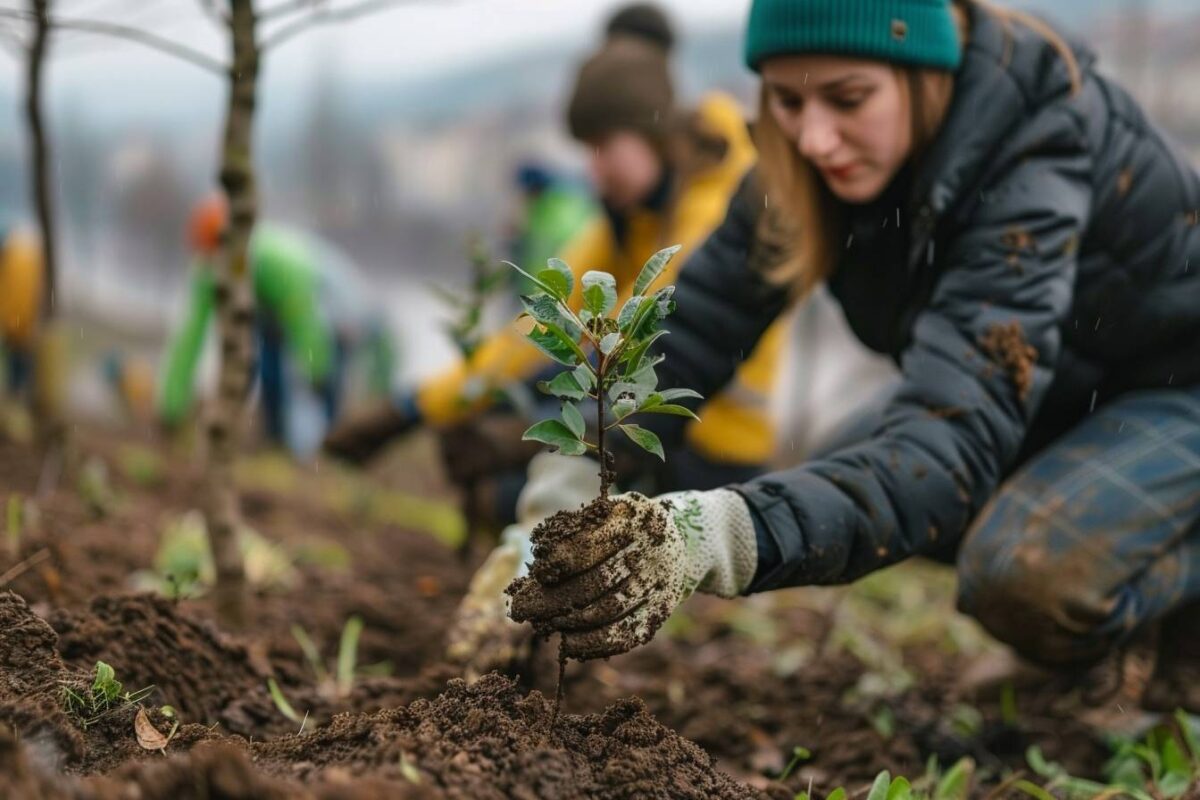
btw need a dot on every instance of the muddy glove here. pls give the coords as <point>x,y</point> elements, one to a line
<point>363,435</point>
<point>482,637</point>
<point>608,582</point>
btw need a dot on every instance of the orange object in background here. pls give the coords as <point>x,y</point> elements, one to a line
<point>22,280</point>
<point>207,223</point>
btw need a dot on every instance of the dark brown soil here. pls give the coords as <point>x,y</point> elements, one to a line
<point>490,740</point>
<point>711,685</point>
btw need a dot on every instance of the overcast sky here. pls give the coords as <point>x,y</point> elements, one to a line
<point>412,38</point>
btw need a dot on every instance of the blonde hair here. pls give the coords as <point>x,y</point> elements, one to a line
<point>801,209</point>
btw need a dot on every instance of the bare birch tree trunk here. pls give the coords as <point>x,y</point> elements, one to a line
<point>235,315</point>
<point>50,345</point>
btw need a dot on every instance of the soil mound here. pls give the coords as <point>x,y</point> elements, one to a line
<point>149,641</point>
<point>491,741</point>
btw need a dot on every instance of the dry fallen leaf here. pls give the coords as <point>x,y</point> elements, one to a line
<point>148,736</point>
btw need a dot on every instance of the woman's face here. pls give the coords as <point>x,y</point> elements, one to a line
<point>625,168</point>
<point>850,118</point>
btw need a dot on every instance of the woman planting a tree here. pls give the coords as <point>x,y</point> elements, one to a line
<point>1005,223</point>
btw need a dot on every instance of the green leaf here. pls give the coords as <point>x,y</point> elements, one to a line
<point>837,794</point>
<point>552,346</point>
<point>106,682</point>
<point>678,394</point>
<point>1038,763</point>
<point>585,377</point>
<point>543,308</point>
<point>879,789</point>
<point>559,288</point>
<point>609,343</point>
<point>281,702</point>
<point>573,419</point>
<point>956,783</point>
<point>644,439</point>
<point>623,407</point>
<point>633,355</point>
<point>628,311</point>
<point>1174,784</point>
<point>599,292</point>
<point>669,408</point>
<point>536,281</point>
<point>653,268</point>
<point>1188,728</point>
<point>556,434</point>
<point>348,654</point>
<point>564,385</point>
<point>1173,759</point>
<point>900,789</point>
<point>637,324</point>
<point>559,268</point>
<point>1033,790</point>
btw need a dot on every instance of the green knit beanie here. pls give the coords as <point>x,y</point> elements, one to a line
<point>918,33</point>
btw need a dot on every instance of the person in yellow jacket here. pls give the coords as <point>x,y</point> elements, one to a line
<point>665,177</point>
<point>21,285</point>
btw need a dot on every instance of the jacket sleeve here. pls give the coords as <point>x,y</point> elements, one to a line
<point>179,368</point>
<point>982,354</point>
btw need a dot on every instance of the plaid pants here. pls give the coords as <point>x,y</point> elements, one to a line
<point>1095,536</point>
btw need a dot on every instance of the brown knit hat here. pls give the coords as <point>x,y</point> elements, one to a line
<point>626,85</point>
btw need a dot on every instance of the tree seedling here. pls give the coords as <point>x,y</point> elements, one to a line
<point>608,358</point>
<point>609,368</point>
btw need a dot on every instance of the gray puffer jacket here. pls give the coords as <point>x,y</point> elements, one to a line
<point>1043,258</point>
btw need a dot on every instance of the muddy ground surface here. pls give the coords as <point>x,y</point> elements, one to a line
<point>865,680</point>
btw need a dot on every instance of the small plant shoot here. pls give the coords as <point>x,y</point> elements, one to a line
<point>606,353</point>
<point>465,329</point>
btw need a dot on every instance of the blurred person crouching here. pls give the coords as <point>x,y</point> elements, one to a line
<point>313,317</point>
<point>664,176</point>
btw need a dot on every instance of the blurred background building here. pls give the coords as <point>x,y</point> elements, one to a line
<point>395,135</point>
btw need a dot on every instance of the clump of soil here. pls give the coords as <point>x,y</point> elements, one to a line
<point>149,641</point>
<point>1006,345</point>
<point>490,741</point>
<point>32,678</point>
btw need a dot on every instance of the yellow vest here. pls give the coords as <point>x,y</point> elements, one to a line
<point>21,282</point>
<point>736,425</point>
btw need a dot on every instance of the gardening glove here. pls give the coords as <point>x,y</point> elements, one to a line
<point>609,588</point>
<point>482,637</point>
<point>363,435</point>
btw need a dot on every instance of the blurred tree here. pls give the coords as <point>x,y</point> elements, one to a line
<point>27,33</point>
<point>251,32</point>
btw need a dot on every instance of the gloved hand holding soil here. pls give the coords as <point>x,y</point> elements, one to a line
<point>482,638</point>
<point>608,575</point>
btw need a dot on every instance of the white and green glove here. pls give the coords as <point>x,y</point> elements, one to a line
<point>609,589</point>
<point>481,636</point>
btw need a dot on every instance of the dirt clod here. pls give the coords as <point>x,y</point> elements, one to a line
<point>1005,344</point>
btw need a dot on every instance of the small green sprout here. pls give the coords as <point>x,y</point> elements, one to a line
<point>347,659</point>
<point>348,655</point>
<point>798,754</point>
<point>282,703</point>
<point>14,524</point>
<point>607,353</point>
<point>103,697</point>
<point>466,328</point>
